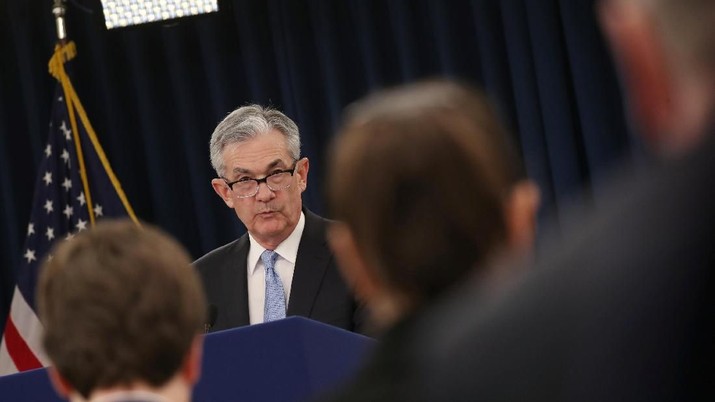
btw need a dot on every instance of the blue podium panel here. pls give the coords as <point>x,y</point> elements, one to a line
<point>287,360</point>
<point>30,386</point>
<point>293,359</point>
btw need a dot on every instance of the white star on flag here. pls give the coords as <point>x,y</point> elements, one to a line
<point>30,255</point>
<point>98,210</point>
<point>47,178</point>
<point>48,150</point>
<point>68,211</point>
<point>30,229</point>
<point>67,184</point>
<point>81,199</point>
<point>48,206</point>
<point>66,131</point>
<point>81,225</point>
<point>65,156</point>
<point>50,233</point>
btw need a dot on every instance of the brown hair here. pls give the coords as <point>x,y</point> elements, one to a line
<point>420,175</point>
<point>119,304</point>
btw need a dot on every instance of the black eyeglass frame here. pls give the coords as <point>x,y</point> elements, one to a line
<point>264,179</point>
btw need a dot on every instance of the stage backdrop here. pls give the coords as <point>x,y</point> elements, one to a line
<point>154,93</point>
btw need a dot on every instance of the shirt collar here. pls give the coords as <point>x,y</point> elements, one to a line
<point>136,395</point>
<point>288,249</point>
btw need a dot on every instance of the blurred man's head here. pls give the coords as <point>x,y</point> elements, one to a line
<point>666,51</point>
<point>426,186</point>
<point>122,308</point>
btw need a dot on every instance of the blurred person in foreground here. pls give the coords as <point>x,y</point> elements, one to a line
<point>624,309</point>
<point>426,190</point>
<point>282,266</point>
<point>123,312</point>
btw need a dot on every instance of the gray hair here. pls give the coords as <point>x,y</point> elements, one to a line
<point>246,123</point>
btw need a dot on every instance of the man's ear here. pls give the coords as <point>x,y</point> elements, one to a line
<point>302,173</point>
<point>357,273</point>
<point>60,384</point>
<point>643,64</point>
<point>223,191</point>
<point>521,208</point>
<point>191,369</point>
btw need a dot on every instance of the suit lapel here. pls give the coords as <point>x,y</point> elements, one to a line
<point>240,291</point>
<point>310,265</point>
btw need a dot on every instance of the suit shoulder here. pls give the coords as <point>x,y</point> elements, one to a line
<point>219,254</point>
<point>316,223</point>
<point>312,216</point>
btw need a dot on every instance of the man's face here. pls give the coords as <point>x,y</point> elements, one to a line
<point>270,216</point>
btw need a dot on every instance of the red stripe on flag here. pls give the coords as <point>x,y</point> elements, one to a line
<point>21,354</point>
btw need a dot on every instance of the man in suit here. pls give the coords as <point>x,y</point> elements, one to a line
<point>123,311</point>
<point>624,308</point>
<point>283,265</point>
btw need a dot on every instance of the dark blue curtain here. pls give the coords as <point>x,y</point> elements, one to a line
<point>154,93</point>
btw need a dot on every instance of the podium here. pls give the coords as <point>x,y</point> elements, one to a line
<point>294,359</point>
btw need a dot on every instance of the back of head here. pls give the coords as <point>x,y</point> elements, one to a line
<point>120,304</point>
<point>419,174</point>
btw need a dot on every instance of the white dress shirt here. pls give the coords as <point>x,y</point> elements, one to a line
<point>285,266</point>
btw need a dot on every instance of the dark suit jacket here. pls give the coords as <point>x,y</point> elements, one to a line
<point>622,310</point>
<point>317,292</point>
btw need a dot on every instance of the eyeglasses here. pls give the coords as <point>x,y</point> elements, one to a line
<point>246,187</point>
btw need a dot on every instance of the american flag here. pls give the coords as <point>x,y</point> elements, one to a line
<point>62,206</point>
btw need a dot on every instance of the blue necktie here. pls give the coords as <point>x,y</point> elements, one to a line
<point>275,302</point>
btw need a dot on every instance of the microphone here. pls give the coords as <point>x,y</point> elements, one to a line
<point>212,314</point>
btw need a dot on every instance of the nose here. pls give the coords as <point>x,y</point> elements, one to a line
<point>264,193</point>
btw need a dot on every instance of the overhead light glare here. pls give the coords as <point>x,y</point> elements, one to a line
<point>122,13</point>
